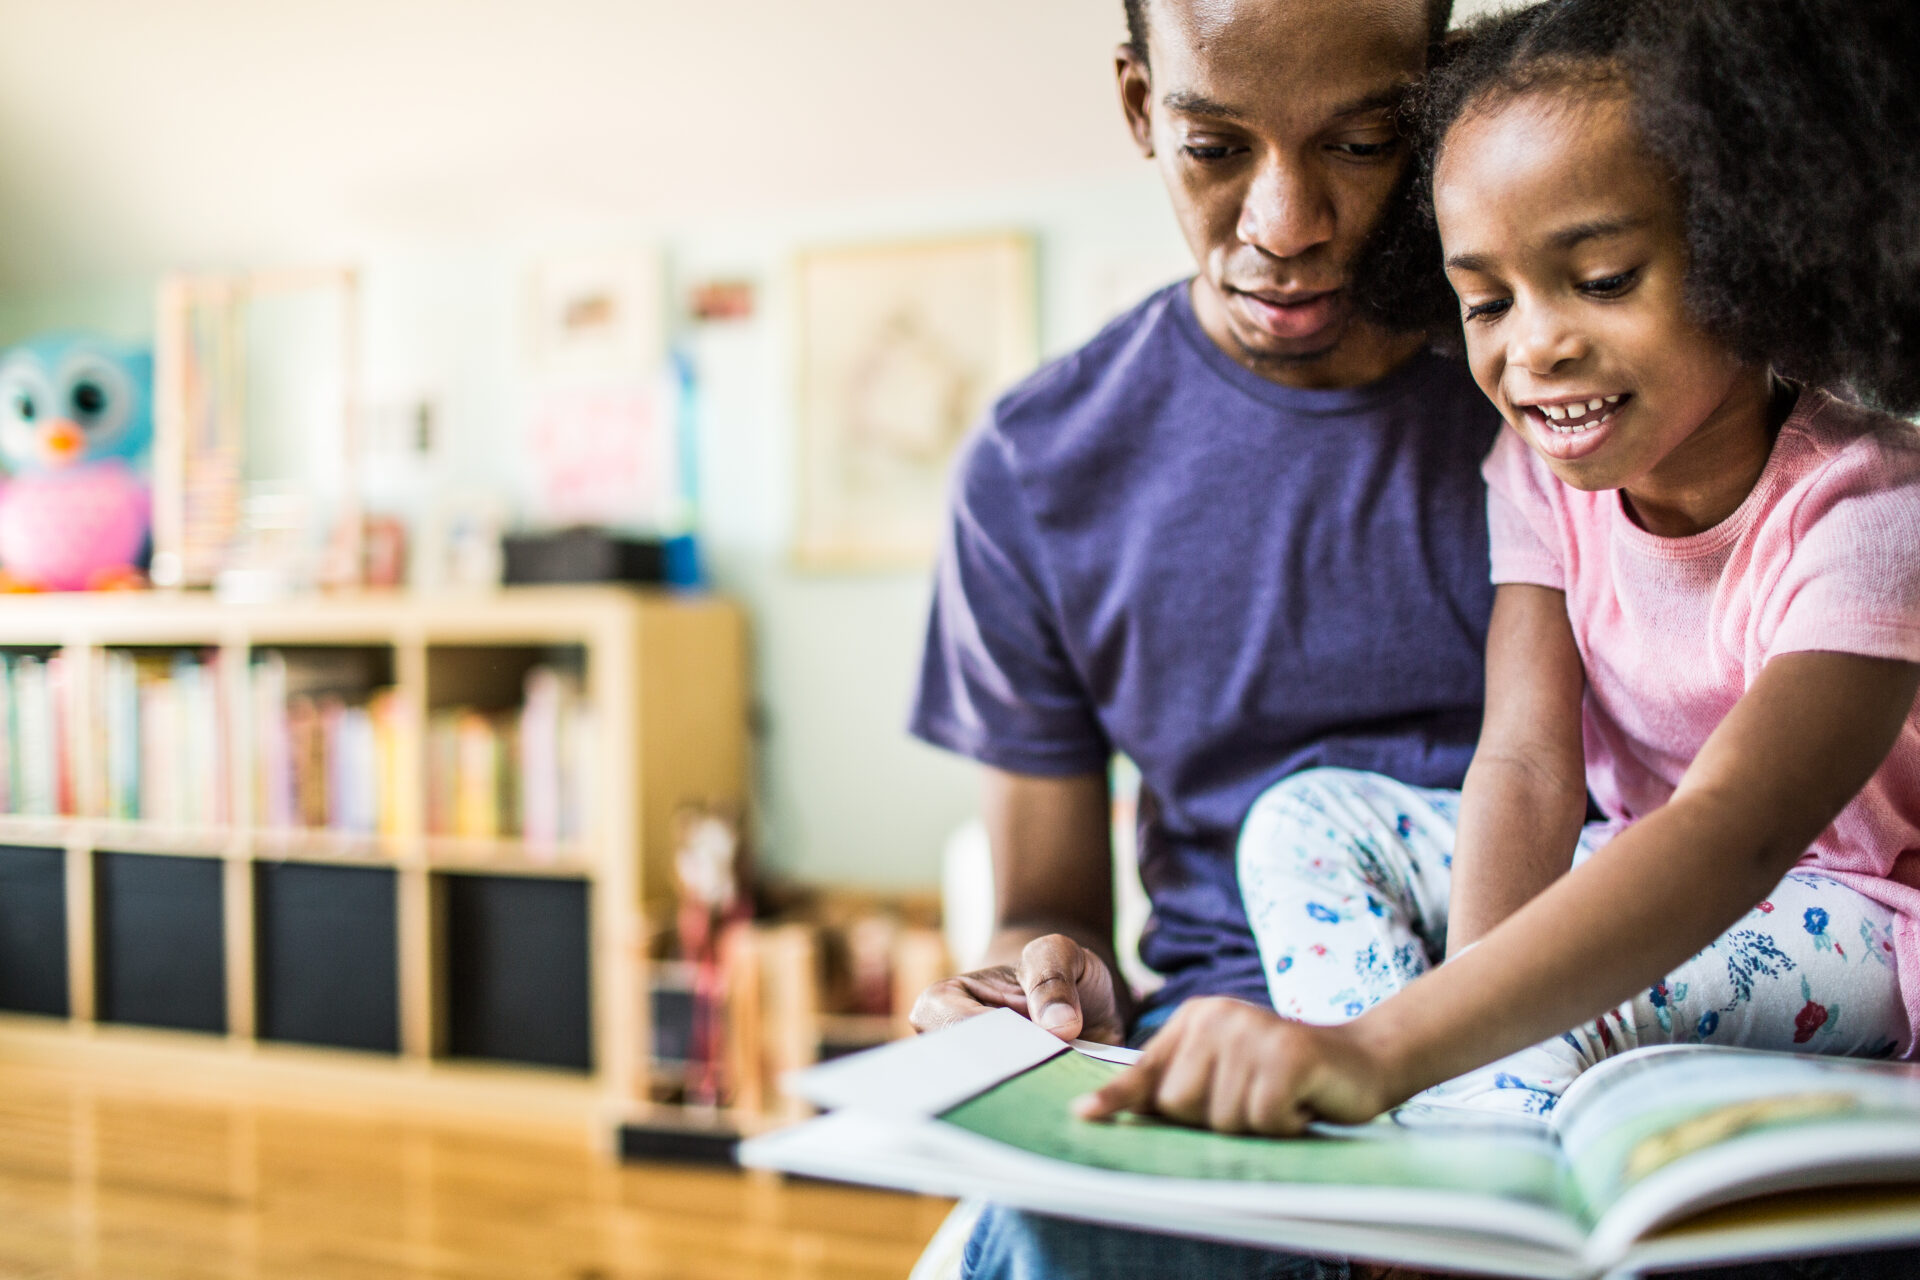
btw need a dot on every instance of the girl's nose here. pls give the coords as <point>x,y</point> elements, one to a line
<point>1544,342</point>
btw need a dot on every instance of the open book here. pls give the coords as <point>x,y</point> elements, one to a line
<point>1658,1158</point>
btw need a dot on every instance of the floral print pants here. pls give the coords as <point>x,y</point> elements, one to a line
<point>1346,876</point>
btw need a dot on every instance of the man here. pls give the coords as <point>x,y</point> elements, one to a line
<point>1238,534</point>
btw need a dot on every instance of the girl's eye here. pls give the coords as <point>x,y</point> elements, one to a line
<point>1489,310</point>
<point>1609,286</point>
<point>1365,150</point>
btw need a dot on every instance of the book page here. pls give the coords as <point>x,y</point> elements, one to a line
<point>1652,1135</point>
<point>1031,1112</point>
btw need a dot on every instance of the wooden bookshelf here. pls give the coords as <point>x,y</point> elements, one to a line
<point>665,677</point>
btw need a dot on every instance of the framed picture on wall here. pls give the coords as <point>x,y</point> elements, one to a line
<point>900,349</point>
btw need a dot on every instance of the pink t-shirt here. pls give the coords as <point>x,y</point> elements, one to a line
<point>1823,554</point>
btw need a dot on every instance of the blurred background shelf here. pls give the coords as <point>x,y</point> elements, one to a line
<point>323,907</point>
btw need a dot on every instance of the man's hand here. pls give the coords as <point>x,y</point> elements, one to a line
<point>1058,983</point>
<point>1234,1067</point>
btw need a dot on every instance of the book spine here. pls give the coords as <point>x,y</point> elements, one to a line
<point>274,787</point>
<point>309,756</point>
<point>333,806</point>
<point>385,710</point>
<point>477,787</point>
<point>36,738</point>
<point>59,737</point>
<point>582,756</point>
<point>192,750</point>
<point>539,737</point>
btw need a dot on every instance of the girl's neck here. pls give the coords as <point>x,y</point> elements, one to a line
<point>1710,474</point>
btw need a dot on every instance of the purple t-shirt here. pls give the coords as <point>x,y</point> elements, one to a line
<point>1154,551</point>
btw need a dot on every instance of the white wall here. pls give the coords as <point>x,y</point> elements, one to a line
<point>847,796</point>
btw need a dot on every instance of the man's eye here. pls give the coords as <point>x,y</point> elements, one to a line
<point>1489,310</point>
<point>1609,286</point>
<point>1207,153</point>
<point>1366,150</point>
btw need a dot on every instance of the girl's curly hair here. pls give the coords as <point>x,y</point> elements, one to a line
<point>1792,128</point>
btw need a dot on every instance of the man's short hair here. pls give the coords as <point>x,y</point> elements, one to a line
<point>1439,18</point>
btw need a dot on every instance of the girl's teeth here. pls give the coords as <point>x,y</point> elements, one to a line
<point>1593,404</point>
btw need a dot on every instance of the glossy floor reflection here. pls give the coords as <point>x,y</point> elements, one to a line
<point>104,1177</point>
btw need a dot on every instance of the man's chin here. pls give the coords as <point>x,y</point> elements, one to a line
<point>1264,350</point>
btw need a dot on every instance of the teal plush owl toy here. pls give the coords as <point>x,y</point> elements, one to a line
<point>76,430</point>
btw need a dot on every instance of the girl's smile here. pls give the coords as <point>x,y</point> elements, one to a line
<point>1565,243</point>
<point>1572,428</point>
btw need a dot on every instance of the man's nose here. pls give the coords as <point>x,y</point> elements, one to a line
<point>1287,210</point>
<point>1543,341</point>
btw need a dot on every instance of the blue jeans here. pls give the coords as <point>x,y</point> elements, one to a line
<point>1009,1244</point>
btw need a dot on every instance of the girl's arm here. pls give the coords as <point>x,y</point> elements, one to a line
<point>1526,792</point>
<point>1794,751</point>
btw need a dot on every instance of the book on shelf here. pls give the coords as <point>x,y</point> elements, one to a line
<point>38,775</point>
<point>161,750</point>
<point>1662,1157</point>
<point>524,773</point>
<point>326,753</point>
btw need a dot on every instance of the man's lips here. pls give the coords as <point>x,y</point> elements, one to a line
<point>1289,315</point>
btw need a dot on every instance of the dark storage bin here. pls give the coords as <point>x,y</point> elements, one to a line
<point>327,956</point>
<point>517,985</point>
<point>161,941</point>
<point>33,930</point>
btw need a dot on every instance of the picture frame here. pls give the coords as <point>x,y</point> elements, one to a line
<point>900,349</point>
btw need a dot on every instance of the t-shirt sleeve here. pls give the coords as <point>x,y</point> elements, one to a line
<point>1848,575</point>
<point>1521,529</point>
<point>996,683</point>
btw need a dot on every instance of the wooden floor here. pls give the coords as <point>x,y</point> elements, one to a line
<point>106,1176</point>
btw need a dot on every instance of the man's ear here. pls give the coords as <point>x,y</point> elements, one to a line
<point>1136,96</point>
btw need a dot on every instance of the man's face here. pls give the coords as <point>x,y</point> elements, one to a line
<point>1271,122</point>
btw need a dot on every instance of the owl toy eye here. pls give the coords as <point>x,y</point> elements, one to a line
<point>25,399</point>
<point>98,397</point>
<point>88,400</point>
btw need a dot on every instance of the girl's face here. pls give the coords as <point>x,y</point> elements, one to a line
<point>1564,240</point>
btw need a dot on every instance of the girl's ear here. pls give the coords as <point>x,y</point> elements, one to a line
<point>1136,96</point>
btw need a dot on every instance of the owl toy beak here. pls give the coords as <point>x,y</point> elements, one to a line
<point>61,443</point>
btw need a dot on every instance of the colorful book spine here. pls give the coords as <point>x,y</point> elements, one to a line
<point>525,773</point>
<point>274,805</point>
<point>325,760</point>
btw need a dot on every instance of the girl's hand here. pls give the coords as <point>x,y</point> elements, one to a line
<point>1237,1068</point>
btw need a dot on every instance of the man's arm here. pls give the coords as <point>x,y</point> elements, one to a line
<point>1051,957</point>
<point>1526,792</point>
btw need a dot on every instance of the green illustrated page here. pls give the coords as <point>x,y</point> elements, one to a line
<point>1031,1111</point>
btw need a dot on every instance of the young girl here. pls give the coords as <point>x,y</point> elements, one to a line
<point>1685,237</point>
